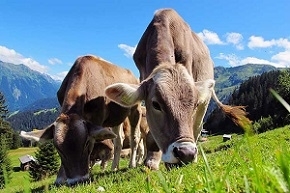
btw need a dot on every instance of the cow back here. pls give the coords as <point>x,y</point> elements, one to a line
<point>163,42</point>
<point>83,90</point>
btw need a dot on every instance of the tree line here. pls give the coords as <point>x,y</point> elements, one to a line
<point>29,120</point>
<point>263,109</point>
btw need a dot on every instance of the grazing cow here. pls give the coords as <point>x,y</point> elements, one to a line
<point>177,75</point>
<point>85,111</point>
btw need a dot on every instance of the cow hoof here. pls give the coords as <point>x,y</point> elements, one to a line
<point>60,181</point>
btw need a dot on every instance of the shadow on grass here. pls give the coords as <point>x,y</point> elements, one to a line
<point>40,189</point>
<point>95,176</point>
<point>221,147</point>
<point>124,174</point>
<point>16,169</point>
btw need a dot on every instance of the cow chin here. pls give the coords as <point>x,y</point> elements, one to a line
<point>72,181</point>
<point>179,154</point>
<point>78,180</point>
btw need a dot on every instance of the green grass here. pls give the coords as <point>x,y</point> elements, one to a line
<point>259,163</point>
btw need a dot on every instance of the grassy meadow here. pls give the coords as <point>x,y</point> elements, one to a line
<point>258,163</point>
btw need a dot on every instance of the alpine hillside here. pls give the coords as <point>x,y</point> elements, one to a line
<point>22,86</point>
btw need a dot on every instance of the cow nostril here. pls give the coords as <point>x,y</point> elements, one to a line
<point>175,152</point>
<point>185,154</point>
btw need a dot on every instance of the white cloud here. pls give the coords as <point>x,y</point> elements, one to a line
<point>129,50</point>
<point>53,61</point>
<point>234,60</point>
<point>11,56</point>
<point>283,43</point>
<point>253,60</point>
<point>235,39</point>
<point>283,58</point>
<point>260,42</point>
<point>59,76</point>
<point>210,37</point>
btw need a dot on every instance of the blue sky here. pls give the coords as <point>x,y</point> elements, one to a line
<point>48,36</point>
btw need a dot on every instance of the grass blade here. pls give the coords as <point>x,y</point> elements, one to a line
<point>280,99</point>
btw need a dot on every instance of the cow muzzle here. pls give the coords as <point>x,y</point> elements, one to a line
<point>180,153</point>
<point>72,181</point>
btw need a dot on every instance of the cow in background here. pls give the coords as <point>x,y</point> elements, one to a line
<point>144,129</point>
<point>102,152</point>
<point>85,112</point>
<point>177,77</point>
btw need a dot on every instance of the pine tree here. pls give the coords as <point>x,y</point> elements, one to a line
<point>3,106</point>
<point>5,127</point>
<point>47,162</point>
<point>5,163</point>
<point>16,140</point>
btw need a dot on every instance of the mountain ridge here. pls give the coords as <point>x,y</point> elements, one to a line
<point>22,86</point>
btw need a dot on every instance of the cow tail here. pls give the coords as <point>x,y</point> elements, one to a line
<point>237,114</point>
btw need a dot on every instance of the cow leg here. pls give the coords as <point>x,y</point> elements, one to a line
<point>153,155</point>
<point>135,119</point>
<point>140,152</point>
<point>103,164</point>
<point>118,144</point>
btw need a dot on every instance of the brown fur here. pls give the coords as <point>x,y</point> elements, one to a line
<point>169,40</point>
<point>85,112</point>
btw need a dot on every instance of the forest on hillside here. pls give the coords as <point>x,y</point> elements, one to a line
<point>263,109</point>
<point>29,120</point>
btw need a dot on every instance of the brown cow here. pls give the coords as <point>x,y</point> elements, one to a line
<point>84,106</point>
<point>177,75</point>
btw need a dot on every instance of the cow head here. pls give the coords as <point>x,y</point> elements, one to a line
<point>172,99</point>
<point>74,139</point>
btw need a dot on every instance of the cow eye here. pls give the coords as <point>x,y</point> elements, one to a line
<point>156,105</point>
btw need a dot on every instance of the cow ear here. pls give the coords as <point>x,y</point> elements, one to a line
<point>205,89</point>
<point>126,95</point>
<point>99,133</point>
<point>39,135</point>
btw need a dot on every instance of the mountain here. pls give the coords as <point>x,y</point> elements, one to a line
<point>227,79</point>
<point>22,86</point>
